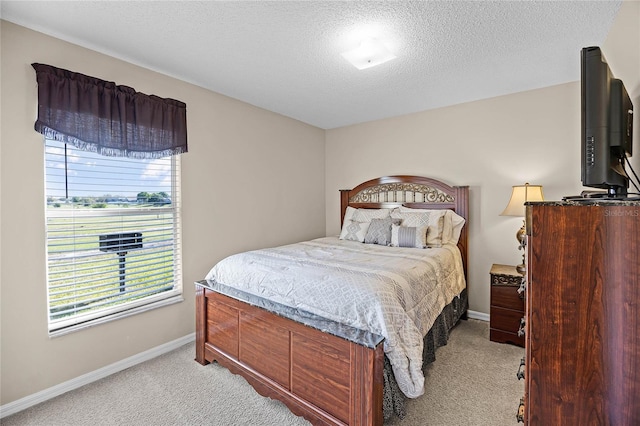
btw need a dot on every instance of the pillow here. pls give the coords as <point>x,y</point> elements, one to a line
<point>452,226</point>
<point>457,223</point>
<point>348,214</point>
<point>352,216</point>
<point>379,231</point>
<point>433,220</point>
<point>354,231</point>
<point>366,215</point>
<point>408,236</point>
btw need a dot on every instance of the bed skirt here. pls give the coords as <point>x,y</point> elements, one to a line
<point>393,400</point>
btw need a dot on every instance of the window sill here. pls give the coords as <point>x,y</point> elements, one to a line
<point>116,316</point>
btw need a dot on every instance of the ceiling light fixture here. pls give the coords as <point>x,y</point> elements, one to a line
<point>370,53</point>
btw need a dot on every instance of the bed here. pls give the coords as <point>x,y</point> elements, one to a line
<point>329,366</point>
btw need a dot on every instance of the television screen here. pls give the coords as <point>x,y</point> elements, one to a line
<point>607,114</point>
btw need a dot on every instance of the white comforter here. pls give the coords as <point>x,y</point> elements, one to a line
<point>394,292</point>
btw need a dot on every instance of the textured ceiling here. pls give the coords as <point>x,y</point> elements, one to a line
<point>285,56</point>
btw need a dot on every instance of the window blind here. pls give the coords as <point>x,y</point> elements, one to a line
<point>113,235</point>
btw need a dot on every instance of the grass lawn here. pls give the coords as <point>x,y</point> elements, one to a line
<point>82,277</point>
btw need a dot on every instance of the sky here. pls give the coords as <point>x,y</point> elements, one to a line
<point>93,175</point>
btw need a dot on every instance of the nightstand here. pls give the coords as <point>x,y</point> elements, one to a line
<point>507,305</point>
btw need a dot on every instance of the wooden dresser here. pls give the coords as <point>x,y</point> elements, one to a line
<point>582,339</point>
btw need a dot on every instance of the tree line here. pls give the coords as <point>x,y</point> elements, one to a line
<point>102,201</point>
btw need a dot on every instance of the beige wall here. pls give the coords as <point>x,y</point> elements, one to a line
<point>489,145</point>
<point>235,151</point>
<point>622,50</point>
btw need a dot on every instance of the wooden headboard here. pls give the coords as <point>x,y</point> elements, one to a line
<point>411,191</point>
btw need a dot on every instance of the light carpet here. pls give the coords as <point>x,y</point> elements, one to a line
<point>472,382</point>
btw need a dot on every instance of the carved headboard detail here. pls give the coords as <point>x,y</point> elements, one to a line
<point>401,193</point>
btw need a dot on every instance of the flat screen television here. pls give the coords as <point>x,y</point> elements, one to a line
<point>607,117</point>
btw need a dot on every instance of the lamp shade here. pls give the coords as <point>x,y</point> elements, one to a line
<point>520,194</point>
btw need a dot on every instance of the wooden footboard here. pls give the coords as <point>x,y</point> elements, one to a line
<point>324,378</point>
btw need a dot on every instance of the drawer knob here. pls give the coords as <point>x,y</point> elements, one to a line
<point>520,373</point>
<point>523,288</point>
<point>521,330</point>
<point>520,415</point>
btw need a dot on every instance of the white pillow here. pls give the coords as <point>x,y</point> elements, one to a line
<point>352,215</point>
<point>348,214</point>
<point>354,231</point>
<point>457,223</point>
<point>408,236</point>
<point>365,215</point>
<point>433,220</point>
<point>452,224</point>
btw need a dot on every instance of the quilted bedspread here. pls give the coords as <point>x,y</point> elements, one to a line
<point>394,292</point>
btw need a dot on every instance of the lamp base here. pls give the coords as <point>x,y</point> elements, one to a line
<point>521,237</point>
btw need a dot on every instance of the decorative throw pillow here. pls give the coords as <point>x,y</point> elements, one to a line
<point>452,224</point>
<point>354,231</point>
<point>433,220</point>
<point>379,231</point>
<point>356,222</point>
<point>408,236</point>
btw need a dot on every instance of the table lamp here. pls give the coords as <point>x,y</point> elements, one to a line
<point>519,195</point>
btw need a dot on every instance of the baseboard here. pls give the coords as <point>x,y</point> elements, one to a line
<point>478,315</point>
<point>85,379</point>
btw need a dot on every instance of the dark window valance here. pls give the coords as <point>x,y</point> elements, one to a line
<point>99,116</point>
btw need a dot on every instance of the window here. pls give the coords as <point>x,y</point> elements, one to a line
<point>113,235</point>
<point>112,197</point>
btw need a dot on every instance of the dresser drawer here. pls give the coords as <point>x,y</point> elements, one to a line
<point>500,336</point>
<point>505,319</point>
<point>504,326</point>
<point>505,296</point>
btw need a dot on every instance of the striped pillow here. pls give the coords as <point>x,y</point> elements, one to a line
<point>408,236</point>
<point>431,219</point>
